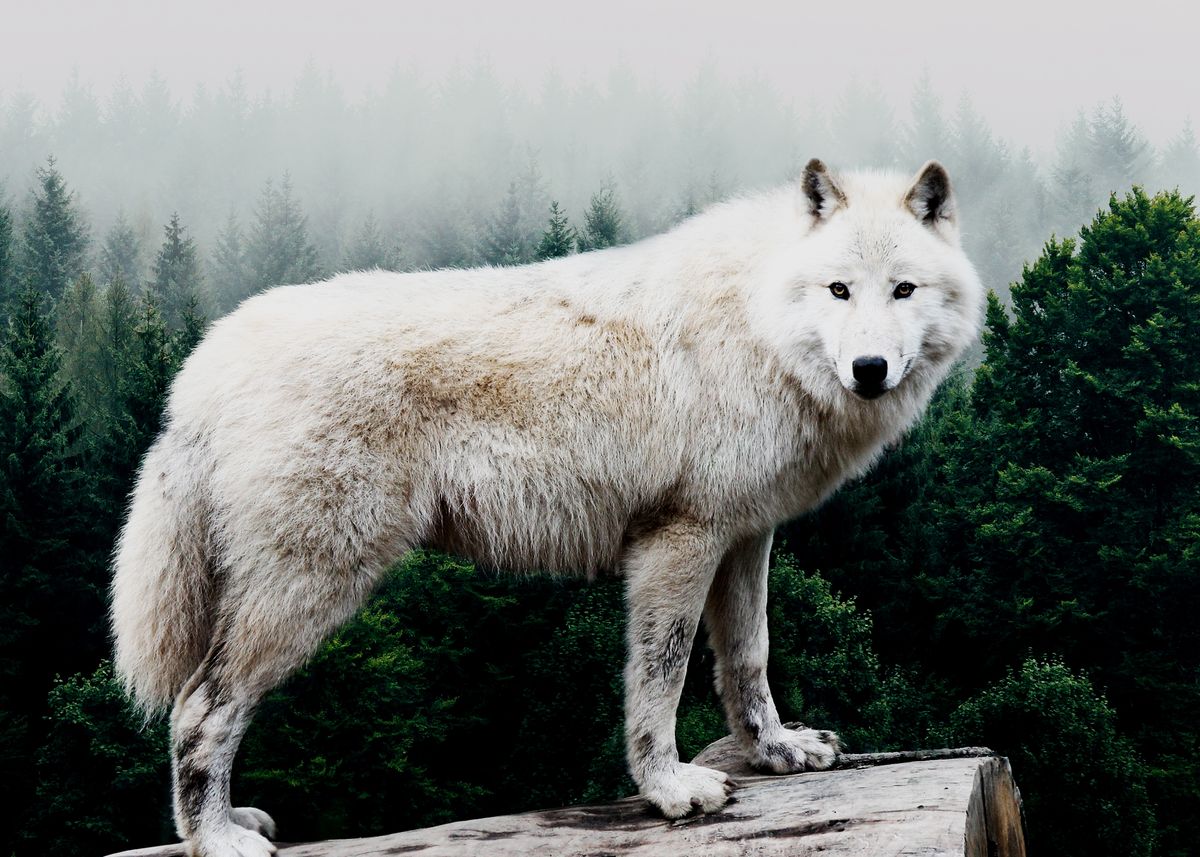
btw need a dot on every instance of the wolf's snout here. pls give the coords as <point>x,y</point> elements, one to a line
<point>869,375</point>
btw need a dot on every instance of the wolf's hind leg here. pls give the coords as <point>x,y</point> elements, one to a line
<point>668,572</point>
<point>736,618</point>
<point>265,631</point>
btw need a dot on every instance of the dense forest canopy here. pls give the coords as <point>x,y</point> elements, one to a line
<point>1020,572</point>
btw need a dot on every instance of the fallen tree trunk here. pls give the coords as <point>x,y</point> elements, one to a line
<point>929,802</point>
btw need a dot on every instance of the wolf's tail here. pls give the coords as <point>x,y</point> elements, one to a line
<point>163,587</point>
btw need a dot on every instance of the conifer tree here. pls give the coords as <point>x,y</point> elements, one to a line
<point>7,276</point>
<point>51,603</point>
<point>1118,155</point>
<point>279,251</point>
<point>147,378</point>
<point>118,321</point>
<point>504,243</point>
<point>370,249</point>
<point>177,277</point>
<point>120,256</point>
<point>228,272</point>
<point>603,222</point>
<point>559,239</point>
<point>1180,165</point>
<point>532,200</point>
<point>1078,481</point>
<point>80,336</point>
<point>928,135</point>
<point>55,240</point>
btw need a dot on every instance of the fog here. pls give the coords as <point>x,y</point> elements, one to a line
<point>415,122</point>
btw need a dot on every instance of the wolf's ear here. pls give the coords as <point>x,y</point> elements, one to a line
<point>821,191</point>
<point>931,199</point>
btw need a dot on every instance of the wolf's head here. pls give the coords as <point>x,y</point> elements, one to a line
<point>876,291</point>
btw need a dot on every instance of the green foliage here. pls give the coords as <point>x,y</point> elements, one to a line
<point>279,251</point>
<point>55,240</point>
<point>1083,785</point>
<point>96,741</point>
<point>504,241</point>
<point>177,280</point>
<point>121,255</point>
<point>51,606</point>
<point>575,681</point>
<point>603,222</point>
<point>560,237</point>
<point>7,275</point>
<point>823,669</point>
<point>229,273</point>
<point>371,250</point>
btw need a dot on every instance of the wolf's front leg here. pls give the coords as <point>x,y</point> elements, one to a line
<point>736,617</point>
<point>669,573</point>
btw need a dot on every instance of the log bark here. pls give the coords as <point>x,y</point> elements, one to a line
<point>960,802</point>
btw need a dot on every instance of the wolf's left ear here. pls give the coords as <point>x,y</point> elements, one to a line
<point>931,198</point>
<point>821,192</point>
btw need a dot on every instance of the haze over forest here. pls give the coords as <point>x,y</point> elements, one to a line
<point>425,171</point>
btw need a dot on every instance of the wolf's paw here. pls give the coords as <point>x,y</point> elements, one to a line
<point>253,819</point>
<point>232,840</point>
<point>685,789</point>
<point>790,751</point>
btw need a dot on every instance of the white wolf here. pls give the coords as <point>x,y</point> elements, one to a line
<point>655,409</point>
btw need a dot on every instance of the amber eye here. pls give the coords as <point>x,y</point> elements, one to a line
<point>904,290</point>
<point>839,291</point>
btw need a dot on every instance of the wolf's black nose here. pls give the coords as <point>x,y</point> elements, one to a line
<point>870,372</point>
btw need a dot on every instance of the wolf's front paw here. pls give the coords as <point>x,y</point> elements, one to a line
<point>788,751</point>
<point>232,840</point>
<point>253,819</point>
<point>685,789</point>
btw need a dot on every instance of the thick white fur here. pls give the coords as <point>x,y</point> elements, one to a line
<point>656,408</point>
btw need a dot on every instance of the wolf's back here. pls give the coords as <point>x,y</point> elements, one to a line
<point>163,585</point>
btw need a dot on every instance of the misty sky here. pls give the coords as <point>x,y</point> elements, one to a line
<point>1028,65</point>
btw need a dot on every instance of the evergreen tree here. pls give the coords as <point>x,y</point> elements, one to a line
<point>1180,164</point>
<point>603,222</point>
<point>120,256</point>
<point>504,243</point>
<point>55,241</point>
<point>370,250</point>
<point>192,324</point>
<point>80,336</point>
<point>176,280</point>
<point>1074,764</point>
<point>1118,154</point>
<point>532,200</point>
<point>228,271</point>
<point>144,374</point>
<point>1073,194</point>
<point>927,135</point>
<point>8,279</point>
<point>559,239</point>
<point>279,251</point>
<point>52,580</point>
<point>1077,486</point>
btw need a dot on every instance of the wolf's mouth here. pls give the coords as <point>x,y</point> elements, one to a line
<point>866,391</point>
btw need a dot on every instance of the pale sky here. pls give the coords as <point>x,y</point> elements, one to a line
<point>1028,65</point>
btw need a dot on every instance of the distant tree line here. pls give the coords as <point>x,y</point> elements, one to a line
<point>429,174</point>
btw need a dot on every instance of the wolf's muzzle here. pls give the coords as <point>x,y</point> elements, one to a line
<point>870,373</point>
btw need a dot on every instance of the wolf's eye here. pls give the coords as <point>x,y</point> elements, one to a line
<point>904,290</point>
<point>839,291</point>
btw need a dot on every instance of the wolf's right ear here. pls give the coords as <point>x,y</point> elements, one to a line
<point>821,191</point>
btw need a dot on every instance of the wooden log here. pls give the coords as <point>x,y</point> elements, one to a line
<point>945,802</point>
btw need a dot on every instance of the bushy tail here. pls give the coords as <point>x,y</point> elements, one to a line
<point>163,586</point>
